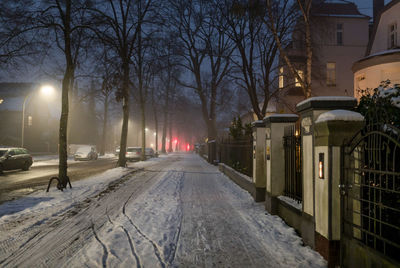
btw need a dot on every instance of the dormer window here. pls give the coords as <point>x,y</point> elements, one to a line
<point>339,34</point>
<point>392,40</point>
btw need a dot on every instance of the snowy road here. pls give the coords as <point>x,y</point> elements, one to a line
<point>16,183</point>
<point>178,211</point>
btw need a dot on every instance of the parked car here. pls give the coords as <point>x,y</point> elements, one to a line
<point>14,158</point>
<point>117,151</point>
<point>86,153</point>
<point>149,152</point>
<point>133,153</point>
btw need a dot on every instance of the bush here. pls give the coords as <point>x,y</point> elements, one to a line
<point>237,131</point>
<point>381,105</point>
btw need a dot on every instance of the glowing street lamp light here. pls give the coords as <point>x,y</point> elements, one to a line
<point>1,101</point>
<point>45,90</point>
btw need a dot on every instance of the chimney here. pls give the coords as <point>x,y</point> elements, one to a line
<point>377,7</point>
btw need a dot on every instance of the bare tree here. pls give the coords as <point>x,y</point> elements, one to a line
<point>119,24</point>
<point>277,8</point>
<point>256,50</point>
<point>206,52</point>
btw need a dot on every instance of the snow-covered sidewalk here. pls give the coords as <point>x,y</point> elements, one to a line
<point>177,211</point>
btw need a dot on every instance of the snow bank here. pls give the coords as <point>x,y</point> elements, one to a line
<point>291,202</point>
<point>342,115</point>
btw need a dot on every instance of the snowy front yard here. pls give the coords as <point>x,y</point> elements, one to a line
<point>175,211</point>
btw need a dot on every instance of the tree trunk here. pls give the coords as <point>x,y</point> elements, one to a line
<point>105,117</point>
<point>66,85</point>
<point>125,110</point>
<point>143,119</point>
<point>170,135</point>
<point>164,134</point>
<point>156,127</point>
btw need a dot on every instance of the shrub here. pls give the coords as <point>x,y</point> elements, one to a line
<point>381,105</point>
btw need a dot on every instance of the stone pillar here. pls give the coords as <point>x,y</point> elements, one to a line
<point>259,160</point>
<point>332,130</point>
<point>309,111</point>
<point>275,158</point>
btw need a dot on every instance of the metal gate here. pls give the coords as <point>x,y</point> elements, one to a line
<point>292,149</point>
<point>370,197</point>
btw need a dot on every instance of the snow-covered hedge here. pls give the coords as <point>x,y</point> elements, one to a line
<point>381,105</point>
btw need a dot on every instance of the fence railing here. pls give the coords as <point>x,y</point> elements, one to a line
<point>292,148</point>
<point>237,154</point>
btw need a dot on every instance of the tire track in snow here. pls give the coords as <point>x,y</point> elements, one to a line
<point>172,255</point>
<point>130,241</point>
<point>105,250</point>
<point>157,250</point>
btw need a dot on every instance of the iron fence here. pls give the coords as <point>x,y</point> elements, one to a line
<point>292,149</point>
<point>372,205</point>
<point>237,154</point>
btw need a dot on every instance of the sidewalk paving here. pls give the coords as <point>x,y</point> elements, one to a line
<point>178,211</point>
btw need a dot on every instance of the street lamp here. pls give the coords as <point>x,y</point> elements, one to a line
<point>1,101</point>
<point>45,90</point>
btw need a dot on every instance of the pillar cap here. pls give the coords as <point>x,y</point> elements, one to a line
<point>327,103</point>
<point>337,127</point>
<point>258,123</point>
<point>339,115</point>
<point>281,118</point>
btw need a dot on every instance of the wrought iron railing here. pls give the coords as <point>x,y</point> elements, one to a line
<point>237,154</point>
<point>372,209</point>
<point>292,148</point>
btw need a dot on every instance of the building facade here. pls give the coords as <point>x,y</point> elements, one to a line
<point>339,38</point>
<point>381,61</point>
<point>40,128</point>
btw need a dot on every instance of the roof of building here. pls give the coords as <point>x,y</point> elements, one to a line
<point>336,8</point>
<point>376,24</point>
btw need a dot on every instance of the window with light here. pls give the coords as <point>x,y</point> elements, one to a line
<point>281,77</point>
<point>296,80</point>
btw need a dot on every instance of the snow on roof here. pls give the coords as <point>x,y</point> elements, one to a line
<point>343,115</point>
<point>381,53</point>
<point>326,98</point>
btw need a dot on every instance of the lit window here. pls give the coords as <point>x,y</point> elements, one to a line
<point>281,77</point>
<point>339,34</point>
<point>392,41</point>
<point>296,81</point>
<point>29,120</point>
<point>331,73</point>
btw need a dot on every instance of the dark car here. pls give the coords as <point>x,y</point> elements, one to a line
<point>14,158</point>
<point>86,153</point>
<point>149,152</point>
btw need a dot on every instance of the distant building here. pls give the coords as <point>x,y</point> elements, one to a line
<point>40,127</point>
<point>340,37</point>
<point>382,58</point>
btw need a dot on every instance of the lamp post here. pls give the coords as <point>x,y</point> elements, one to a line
<point>45,90</point>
